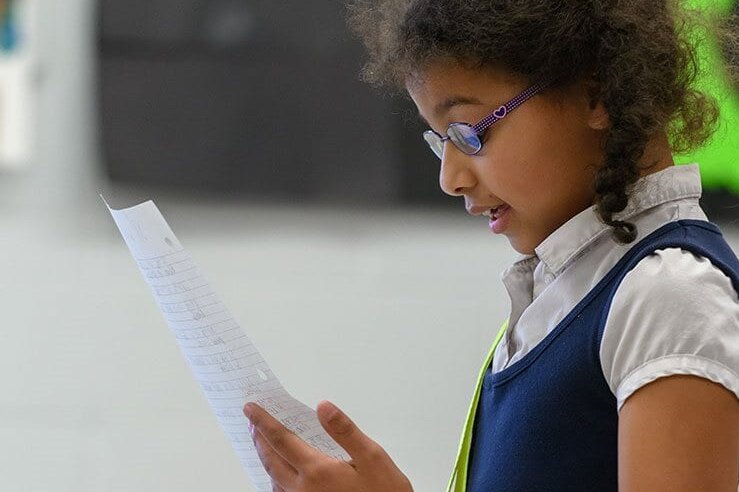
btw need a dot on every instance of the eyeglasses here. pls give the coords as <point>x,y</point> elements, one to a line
<point>466,137</point>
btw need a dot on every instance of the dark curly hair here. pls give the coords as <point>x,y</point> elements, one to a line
<point>641,55</point>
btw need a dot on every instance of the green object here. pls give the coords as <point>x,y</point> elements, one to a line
<point>458,480</point>
<point>719,159</point>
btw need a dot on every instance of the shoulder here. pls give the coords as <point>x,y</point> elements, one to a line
<point>673,313</point>
<point>675,278</point>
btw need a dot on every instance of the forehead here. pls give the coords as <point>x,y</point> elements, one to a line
<point>442,86</point>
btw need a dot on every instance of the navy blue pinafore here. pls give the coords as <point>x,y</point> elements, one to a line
<point>549,421</point>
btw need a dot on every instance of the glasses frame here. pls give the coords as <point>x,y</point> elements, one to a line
<point>480,127</point>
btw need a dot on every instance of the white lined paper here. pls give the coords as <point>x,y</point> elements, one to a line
<point>229,369</point>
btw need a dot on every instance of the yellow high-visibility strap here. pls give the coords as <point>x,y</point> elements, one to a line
<point>458,480</point>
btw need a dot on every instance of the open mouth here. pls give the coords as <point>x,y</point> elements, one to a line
<point>496,212</point>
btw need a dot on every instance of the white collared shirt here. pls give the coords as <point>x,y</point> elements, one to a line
<point>674,313</point>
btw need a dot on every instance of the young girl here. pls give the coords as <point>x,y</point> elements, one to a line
<point>617,368</point>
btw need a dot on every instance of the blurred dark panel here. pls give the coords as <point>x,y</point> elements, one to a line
<point>261,97</point>
<point>721,206</point>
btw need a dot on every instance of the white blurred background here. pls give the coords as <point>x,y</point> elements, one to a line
<point>386,311</point>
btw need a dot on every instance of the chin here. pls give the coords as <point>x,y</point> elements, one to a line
<point>521,247</point>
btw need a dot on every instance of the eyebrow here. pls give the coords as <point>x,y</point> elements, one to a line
<point>449,103</point>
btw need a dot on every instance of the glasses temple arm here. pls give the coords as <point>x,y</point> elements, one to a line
<point>503,111</point>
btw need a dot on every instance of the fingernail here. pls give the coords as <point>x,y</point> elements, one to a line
<point>251,429</point>
<point>249,409</point>
<point>333,411</point>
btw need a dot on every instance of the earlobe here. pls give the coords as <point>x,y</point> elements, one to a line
<point>598,118</point>
<point>597,115</point>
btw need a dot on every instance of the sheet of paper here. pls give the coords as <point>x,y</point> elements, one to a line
<point>230,370</point>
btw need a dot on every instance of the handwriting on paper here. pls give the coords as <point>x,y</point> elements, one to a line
<point>229,369</point>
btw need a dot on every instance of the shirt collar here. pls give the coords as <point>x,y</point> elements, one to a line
<point>570,239</point>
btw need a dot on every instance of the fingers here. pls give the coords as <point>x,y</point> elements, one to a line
<point>289,446</point>
<point>345,432</point>
<point>281,472</point>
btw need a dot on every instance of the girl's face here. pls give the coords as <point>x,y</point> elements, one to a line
<point>539,161</point>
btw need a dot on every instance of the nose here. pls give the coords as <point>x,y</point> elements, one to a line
<point>455,176</point>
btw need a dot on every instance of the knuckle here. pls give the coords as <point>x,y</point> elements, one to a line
<point>276,437</point>
<point>375,453</point>
<point>255,420</point>
<point>316,474</point>
<point>343,426</point>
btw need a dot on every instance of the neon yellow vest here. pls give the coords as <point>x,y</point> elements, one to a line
<point>458,481</point>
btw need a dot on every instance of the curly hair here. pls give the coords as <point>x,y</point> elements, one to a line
<point>641,56</point>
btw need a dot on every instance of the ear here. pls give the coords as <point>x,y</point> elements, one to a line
<point>597,116</point>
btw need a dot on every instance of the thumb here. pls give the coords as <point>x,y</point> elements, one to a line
<point>344,431</point>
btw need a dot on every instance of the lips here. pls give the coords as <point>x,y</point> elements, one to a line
<point>488,210</point>
<point>498,216</point>
<point>496,212</point>
<point>499,219</point>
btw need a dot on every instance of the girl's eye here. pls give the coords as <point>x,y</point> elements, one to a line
<point>485,136</point>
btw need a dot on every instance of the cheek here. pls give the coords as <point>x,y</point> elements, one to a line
<point>556,156</point>
<point>542,182</point>
<point>540,161</point>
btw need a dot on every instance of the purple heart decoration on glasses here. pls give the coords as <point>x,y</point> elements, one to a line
<point>500,112</point>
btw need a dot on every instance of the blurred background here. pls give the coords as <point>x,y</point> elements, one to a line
<point>307,198</point>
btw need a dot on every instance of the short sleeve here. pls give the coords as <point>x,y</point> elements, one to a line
<point>674,313</point>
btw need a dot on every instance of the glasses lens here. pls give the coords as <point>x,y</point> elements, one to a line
<point>465,138</point>
<point>434,142</point>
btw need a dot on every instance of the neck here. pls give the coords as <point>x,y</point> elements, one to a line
<point>657,155</point>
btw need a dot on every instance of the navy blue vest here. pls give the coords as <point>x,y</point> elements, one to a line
<point>548,422</point>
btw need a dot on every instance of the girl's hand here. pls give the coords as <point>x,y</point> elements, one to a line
<point>295,466</point>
